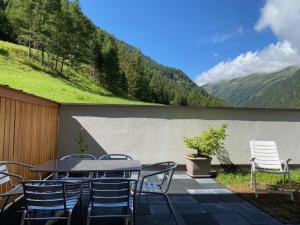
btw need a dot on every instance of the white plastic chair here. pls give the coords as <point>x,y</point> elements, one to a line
<point>265,158</point>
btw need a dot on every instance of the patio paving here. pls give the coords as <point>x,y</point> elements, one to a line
<point>195,201</point>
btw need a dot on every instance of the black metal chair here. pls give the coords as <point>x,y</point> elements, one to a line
<point>78,157</point>
<point>115,157</point>
<point>50,200</point>
<point>112,198</point>
<point>145,186</point>
<point>79,176</point>
<point>5,178</point>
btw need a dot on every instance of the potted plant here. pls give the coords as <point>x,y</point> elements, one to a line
<point>207,145</point>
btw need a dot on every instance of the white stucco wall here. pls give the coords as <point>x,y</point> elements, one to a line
<point>155,133</point>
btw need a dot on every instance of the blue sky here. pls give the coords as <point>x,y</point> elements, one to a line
<point>191,35</point>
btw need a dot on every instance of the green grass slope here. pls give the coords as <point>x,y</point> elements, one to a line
<point>21,73</point>
<point>275,90</point>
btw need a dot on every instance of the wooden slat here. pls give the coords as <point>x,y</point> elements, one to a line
<point>28,131</point>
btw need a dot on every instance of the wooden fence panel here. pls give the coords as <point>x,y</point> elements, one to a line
<point>28,130</point>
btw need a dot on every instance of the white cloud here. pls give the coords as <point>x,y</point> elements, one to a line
<point>283,18</point>
<point>220,38</point>
<point>271,59</point>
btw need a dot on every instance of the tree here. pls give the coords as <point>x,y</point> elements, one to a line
<point>110,73</point>
<point>137,84</point>
<point>179,98</point>
<point>6,28</point>
<point>20,14</point>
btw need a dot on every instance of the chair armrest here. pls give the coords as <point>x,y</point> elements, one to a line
<point>156,173</point>
<point>286,161</point>
<point>16,163</point>
<point>155,164</point>
<point>285,164</point>
<point>13,175</point>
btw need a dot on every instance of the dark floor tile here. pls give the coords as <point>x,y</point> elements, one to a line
<point>230,219</point>
<point>201,218</point>
<point>143,209</point>
<point>190,208</point>
<point>182,199</point>
<point>163,219</point>
<point>143,200</point>
<point>102,222</point>
<point>156,199</point>
<point>242,206</point>
<point>159,209</point>
<point>144,220</point>
<point>259,218</point>
<point>207,198</point>
<point>219,207</point>
<point>231,198</point>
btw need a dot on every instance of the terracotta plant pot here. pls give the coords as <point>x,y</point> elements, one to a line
<point>198,167</point>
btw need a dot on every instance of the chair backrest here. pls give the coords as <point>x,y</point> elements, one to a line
<point>3,177</point>
<point>168,169</point>
<point>265,154</point>
<point>45,195</point>
<point>79,156</point>
<point>115,157</point>
<point>112,192</point>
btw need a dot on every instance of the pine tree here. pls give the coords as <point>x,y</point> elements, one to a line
<point>20,14</point>
<point>137,85</point>
<point>110,73</point>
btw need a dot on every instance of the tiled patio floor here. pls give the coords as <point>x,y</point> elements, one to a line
<point>196,202</point>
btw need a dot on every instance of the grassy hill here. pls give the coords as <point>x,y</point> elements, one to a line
<point>82,62</point>
<point>274,90</point>
<point>74,87</point>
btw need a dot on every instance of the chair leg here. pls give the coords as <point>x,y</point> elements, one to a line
<point>170,207</point>
<point>88,219</point>
<point>251,180</point>
<point>69,217</point>
<point>23,217</point>
<point>132,222</point>
<point>255,184</point>
<point>81,210</point>
<point>5,203</point>
<point>283,182</point>
<point>290,187</point>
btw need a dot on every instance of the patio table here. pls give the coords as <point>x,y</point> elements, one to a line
<point>56,166</point>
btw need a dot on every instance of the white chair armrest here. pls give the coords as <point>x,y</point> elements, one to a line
<point>286,161</point>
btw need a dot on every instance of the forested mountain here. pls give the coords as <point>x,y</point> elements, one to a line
<point>63,39</point>
<point>274,90</point>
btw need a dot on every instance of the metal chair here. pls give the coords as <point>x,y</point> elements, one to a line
<point>112,198</point>
<point>78,157</point>
<point>5,178</point>
<point>115,157</point>
<point>79,176</point>
<point>50,200</point>
<point>166,169</point>
<point>265,159</point>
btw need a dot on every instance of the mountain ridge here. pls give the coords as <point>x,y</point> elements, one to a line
<point>280,89</point>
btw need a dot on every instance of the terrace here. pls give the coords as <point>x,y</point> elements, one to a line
<point>35,130</point>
